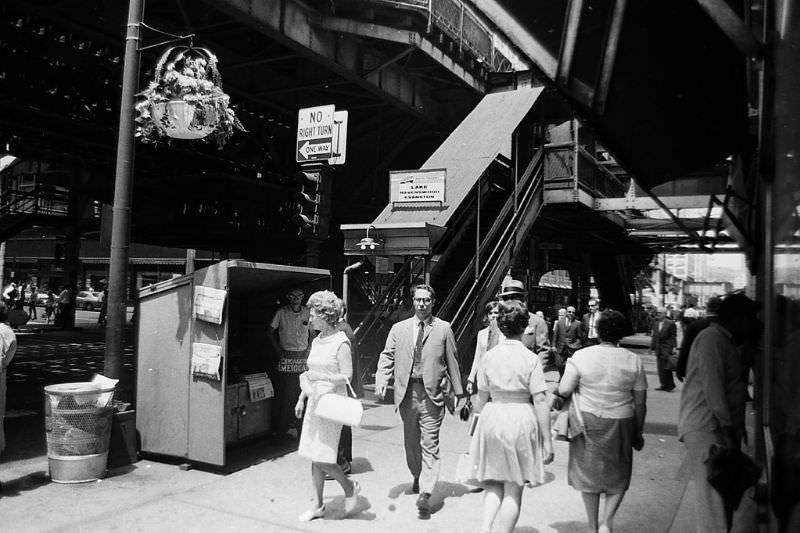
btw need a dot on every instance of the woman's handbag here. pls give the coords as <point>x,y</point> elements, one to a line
<point>345,410</point>
<point>568,422</point>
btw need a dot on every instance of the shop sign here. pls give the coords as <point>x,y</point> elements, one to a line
<point>417,186</point>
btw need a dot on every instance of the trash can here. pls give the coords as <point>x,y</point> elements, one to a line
<point>78,426</point>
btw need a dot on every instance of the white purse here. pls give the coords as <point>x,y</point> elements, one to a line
<point>345,410</point>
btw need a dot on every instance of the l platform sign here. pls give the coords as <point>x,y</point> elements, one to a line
<point>315,131</point>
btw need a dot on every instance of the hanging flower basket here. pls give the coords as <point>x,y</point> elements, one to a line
<point>176,119</point>
<point>185,100</point>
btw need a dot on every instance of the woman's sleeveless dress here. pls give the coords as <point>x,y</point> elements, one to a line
<point>319,439</point>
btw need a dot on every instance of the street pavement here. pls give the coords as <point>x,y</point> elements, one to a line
<point>271,487</point>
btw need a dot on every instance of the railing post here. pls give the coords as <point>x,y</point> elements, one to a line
<point>430,16</point>
<point>461,30</point>
<point>576,157</point>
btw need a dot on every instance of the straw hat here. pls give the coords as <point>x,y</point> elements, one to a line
<point>512,287</point>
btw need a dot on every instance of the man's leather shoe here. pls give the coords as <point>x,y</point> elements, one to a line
<point>424,503</point>
<point>666,389</point>
<point>415,486</point>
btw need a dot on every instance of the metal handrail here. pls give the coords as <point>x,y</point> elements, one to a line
<point>493,264</point>
<point>38,201</point>
<point>366,325</point>
<point>501,223</point>
<point>477,38</point>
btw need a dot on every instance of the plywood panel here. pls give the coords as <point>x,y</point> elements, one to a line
<point>163,346</point>
<point>207,396</point>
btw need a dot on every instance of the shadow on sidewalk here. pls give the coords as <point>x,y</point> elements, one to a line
<point>15,487</point>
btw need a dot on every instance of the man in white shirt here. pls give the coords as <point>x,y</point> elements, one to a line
<point>712,408</point>
<point>289,338</point>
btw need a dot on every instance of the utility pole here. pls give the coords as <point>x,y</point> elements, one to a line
<point>123,191</point>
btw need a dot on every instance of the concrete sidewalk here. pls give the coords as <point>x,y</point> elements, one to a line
<point>268,496</point>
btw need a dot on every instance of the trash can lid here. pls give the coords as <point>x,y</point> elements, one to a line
<point>81,387</point>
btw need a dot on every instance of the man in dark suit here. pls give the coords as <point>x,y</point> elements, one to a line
<point>566,336</point>
<point>590,322</point>
<point>420,355</point>
<point>663,342</point>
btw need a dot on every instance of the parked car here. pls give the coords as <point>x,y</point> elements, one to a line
<point>87,300</point>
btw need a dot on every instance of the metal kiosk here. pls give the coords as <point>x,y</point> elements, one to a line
<point>199,337</point>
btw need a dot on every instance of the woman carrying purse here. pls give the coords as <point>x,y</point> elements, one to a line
<point>330,368</point>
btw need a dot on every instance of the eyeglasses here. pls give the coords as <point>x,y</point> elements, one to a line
<point>423,300</point>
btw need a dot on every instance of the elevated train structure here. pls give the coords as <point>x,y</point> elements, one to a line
<point>561,128</point>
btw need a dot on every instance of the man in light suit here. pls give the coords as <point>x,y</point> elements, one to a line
<point>420,355</point>
<point>566,336</point>
<point>663,341</point>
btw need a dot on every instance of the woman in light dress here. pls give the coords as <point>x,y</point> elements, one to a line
<point>8,347</point>
<point>612,399</point>
<point>512,442</point>
<point>487,339</point>
<point>330,368</point>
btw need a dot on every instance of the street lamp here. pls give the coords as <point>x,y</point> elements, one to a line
<point>368,243</point>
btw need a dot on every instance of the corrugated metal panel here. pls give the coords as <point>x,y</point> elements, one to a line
<point>468,151</point>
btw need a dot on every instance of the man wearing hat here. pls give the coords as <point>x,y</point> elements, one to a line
<point>712,311</point>
<point>536,336</point>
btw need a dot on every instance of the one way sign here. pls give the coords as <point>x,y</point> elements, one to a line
<point>312,150</point>
<point>315,133</point>
<point>321,135</point>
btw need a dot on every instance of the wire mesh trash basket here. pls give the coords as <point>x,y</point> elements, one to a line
<point>78,426</point>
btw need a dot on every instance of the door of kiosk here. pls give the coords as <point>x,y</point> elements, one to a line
<point>225,307</point>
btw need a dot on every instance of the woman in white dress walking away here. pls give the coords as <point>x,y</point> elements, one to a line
<point>512,442</point>
<point>330,368</point>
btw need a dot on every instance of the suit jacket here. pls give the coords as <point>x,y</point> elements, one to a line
<point>439,359</point>
<point>664,338</point>
<point>586,323</point>
<point>536,338</point>
<point>567,336</point>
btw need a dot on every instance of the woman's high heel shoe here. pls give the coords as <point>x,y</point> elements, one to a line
<point>311,514</point>
<point>350,502</point>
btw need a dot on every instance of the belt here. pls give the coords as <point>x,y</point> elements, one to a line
<point>416,380</point>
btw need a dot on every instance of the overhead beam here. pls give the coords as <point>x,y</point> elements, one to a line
<point>732,26</point>
<point>533,49</point>
<point>288,22</point>
<point>568,39</point>
<point>647,203</point>
<point>609,57</point>
<point>400,36</point>
<point>521,37</point>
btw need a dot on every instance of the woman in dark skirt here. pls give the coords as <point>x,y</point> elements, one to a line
<point>612,391</point>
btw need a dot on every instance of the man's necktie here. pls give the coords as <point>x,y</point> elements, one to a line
<point>418,347</point>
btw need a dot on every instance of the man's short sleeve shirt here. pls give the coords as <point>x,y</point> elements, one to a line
<point>292,328</point>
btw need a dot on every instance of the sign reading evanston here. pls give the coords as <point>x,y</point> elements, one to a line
<point>414,186</point>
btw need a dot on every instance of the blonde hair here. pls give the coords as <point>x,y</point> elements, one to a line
<point>327,305</point>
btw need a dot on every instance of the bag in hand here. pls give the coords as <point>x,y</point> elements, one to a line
<point>568,422</point>
<point>345,410</point>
